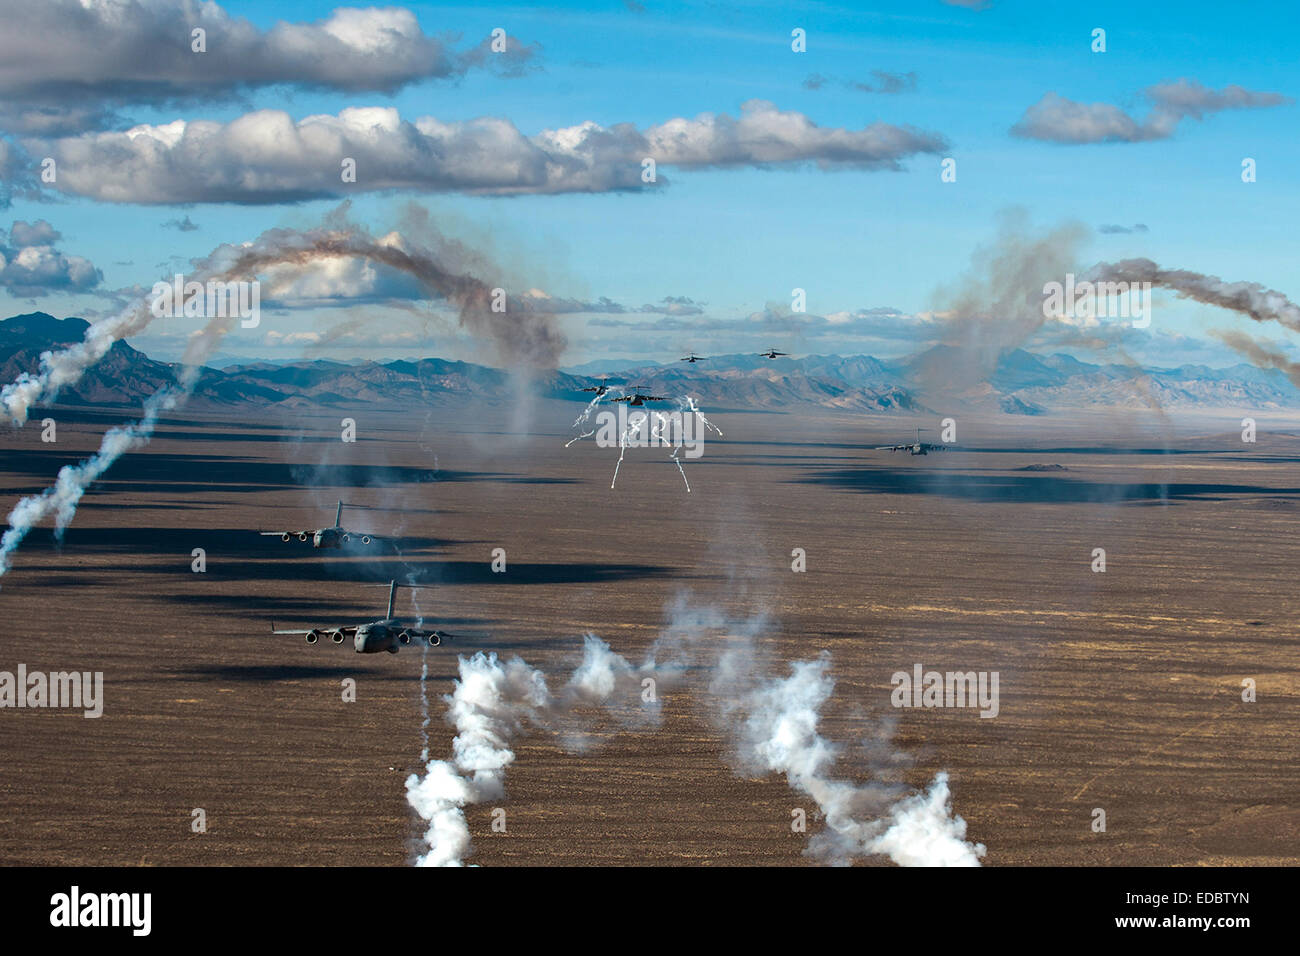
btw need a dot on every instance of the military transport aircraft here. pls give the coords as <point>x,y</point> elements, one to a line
<point>917,447</point>
<point>636,398</point>
<point>334,537</point>
<point>772,353</point>
<point>693,358</point>
<point>383,635</point>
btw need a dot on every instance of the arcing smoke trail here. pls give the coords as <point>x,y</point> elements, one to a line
<point>1245,298</point>
<point>771,723</point>
<point>522,334</point>
<point>1248,298</point>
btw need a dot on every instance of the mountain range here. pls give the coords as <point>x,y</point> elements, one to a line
<point>1021,382</point>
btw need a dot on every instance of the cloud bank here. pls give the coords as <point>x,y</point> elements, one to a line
<point>71,64</point>
<point>1055,119</point>
<point>268,157</point>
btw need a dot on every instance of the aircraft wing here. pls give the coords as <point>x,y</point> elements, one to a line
<point>280,534</point>
<point>425,633</point>
<point>349,630</point>
<point>890,447</point>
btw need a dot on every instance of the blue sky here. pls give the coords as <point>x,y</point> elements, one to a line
<point>739,238</point>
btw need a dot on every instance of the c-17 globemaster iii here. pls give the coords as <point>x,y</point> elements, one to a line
<point>917,447</point>
<point>383,635</point>
<point>334,537</point>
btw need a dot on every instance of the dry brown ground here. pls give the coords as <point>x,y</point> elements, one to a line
<point>1118,690</point>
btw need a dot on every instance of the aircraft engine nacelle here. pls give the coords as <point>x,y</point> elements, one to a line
<point>435,639</point>
<point>337,637</point>
<point>286,536</point>
<point>404,637</point>
<point>312,637</point>
<point>302,536</point>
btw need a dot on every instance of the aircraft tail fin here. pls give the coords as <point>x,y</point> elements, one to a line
<point>338,516</point>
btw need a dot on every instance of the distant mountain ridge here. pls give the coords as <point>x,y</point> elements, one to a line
<point>1021,382</point>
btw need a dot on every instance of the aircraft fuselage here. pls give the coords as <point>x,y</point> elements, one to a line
<point>388,635</point>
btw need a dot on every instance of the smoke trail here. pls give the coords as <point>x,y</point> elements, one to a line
<point>778,721</point>
<point>1245,298</point>
<point>1259,355</point>
<point>586,412</point>
<point>62,498</point>
<point>773,725</point>
<point>656,435</point>
<point>658,423</point>
<point>491,705</point>
<point>424,700</point>
<point>687,403</point>
<point>770,722</point>
<point>633,429</point>
<point>522,332</point>
<point>999,304</point>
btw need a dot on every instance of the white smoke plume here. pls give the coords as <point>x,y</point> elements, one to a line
<point>493,702</point>
<point>771,724</point>
<point>489,707</point>
<point>777,719</point>
<point>62,498</point>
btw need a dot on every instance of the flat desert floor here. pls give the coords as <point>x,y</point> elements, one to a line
<point>1119,690</point>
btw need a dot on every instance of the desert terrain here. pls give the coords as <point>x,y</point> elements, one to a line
<point>1119,690</point>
